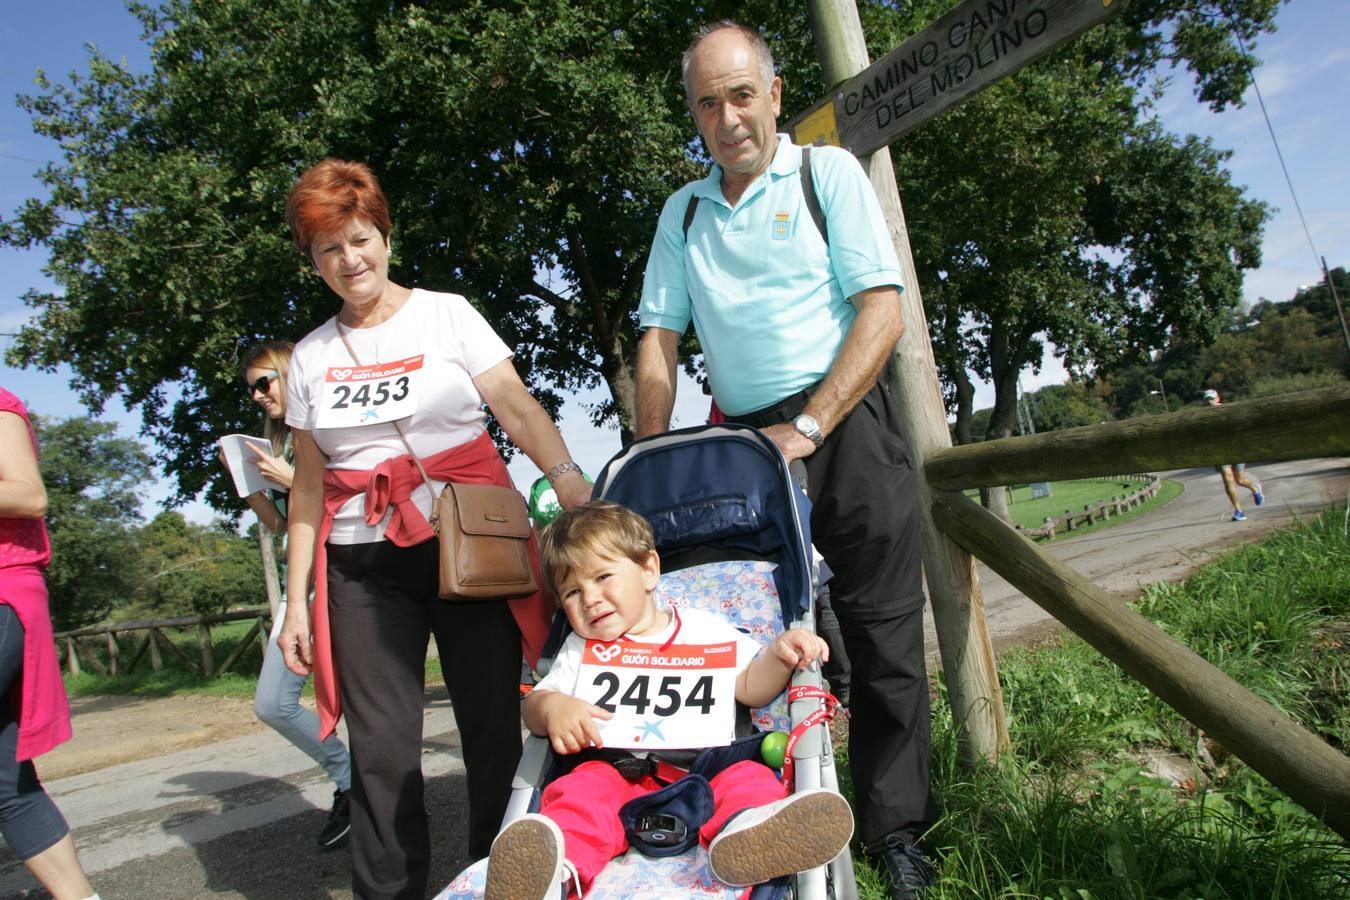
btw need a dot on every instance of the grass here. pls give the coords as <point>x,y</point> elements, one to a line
<point>1074,495</point>
<point>1071,813</point>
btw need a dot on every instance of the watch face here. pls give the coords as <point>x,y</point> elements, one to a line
<point>805,424</point>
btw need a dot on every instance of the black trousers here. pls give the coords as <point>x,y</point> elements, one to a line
<point>864,497</point>
<point>383,606</point>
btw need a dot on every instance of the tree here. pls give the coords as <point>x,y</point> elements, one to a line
<point>92,478</point>
<point>1067,405</point>
<point>1053,206</point>
<point>526,149</point>
<point>195,569</point>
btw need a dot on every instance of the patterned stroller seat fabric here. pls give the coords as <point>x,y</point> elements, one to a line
<point>745,593</point>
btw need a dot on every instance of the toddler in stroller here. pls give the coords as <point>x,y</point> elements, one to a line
<point>633,689</point>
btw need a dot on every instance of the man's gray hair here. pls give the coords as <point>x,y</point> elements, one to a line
<point>763,55</point>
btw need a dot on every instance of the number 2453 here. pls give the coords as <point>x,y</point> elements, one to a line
<point>362,397</point>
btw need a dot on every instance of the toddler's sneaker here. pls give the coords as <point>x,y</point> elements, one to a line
<point>796,833</point>
<point>1257,495</point>
<point>1239,516</point>
<point>526,862</point>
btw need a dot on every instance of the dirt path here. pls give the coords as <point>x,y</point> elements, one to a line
<point>1166,544</point>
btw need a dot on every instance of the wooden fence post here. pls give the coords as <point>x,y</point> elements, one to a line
<point>204,642</point>
<point>953,586</point>
<point>72,657</point>
<point>112,653</point>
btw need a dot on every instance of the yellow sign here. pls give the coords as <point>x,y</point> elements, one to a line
<point>817,127</point>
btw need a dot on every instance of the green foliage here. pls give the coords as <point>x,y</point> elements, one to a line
<point>1068,405</point>
<point>93,478</point>
<point>1053,205</point>
<point>194,570</point>
<point>1071,813</point>
<point>526,149</point>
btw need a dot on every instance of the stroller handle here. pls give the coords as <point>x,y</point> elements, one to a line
<point>797,469</point>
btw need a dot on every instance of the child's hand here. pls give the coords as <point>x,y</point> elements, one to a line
<point>798,648</point>
<point>570,723</point>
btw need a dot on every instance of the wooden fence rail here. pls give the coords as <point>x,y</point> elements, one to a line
<point>1305,425</point>
<point>1094,512</point>
<point>1309,770</point>
<point>78,645</point>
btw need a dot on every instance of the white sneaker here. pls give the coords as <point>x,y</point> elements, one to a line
<point>527,861</point>
<point>800,832</point>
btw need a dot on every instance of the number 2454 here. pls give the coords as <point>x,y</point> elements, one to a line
<point>668,694</point>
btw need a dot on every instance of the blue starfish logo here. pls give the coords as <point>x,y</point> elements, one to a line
<point>652,729</point>
<point>370,414</point>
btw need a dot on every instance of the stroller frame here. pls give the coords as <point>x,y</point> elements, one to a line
<point>730,514</point>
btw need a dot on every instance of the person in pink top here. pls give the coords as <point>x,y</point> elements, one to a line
<point>37,715</point>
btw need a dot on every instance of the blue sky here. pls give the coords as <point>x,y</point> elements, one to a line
<point>1305,79</point>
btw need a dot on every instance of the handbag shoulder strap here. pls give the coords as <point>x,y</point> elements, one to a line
<point>403,437</point>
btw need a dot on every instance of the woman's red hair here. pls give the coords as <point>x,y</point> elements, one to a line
<point>331,194</point>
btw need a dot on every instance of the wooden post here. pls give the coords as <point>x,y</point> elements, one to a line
<point>156,660</point>
<point>140,651</point>
<point>112,652</point>
<point>1314,774</point>
<point>953,586</point>
<point>269,566</point>
<point>239,649</point>
<point>173,648</point>
<point>264,634</point>
<point>72,657</point>
<point>204,642</point>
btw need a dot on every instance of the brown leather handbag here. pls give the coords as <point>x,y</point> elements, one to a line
<point>483,532</point>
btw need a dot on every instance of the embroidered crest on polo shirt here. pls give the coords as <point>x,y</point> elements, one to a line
<point>782,225</point>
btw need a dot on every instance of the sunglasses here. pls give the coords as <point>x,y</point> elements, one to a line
<point>262,384</point>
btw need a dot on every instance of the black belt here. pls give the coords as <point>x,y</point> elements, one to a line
<point>784,410</point>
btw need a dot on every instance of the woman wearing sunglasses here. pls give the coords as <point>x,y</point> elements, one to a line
<point>34,712</point>
<point>394,364</point>
<point>277,698</point>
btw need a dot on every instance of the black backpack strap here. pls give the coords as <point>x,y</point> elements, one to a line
<point>689,215</point>
<point>809,193</point>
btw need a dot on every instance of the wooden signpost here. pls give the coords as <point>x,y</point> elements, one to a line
<point>968,49</point>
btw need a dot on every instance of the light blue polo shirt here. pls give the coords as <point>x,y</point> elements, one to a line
<point>768,298</point>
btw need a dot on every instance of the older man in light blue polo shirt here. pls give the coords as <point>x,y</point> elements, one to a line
<point>797,323</point>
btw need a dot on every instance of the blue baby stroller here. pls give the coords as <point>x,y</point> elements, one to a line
<point>733,530</point>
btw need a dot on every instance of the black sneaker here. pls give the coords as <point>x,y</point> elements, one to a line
<point>904,862</point>
<point>334,833</point>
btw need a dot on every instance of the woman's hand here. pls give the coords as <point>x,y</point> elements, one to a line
<point>294,641</point>
<point>273,468</point>
<point>572,490</point>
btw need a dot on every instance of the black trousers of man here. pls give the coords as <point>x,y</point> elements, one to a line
<point>864,496</point>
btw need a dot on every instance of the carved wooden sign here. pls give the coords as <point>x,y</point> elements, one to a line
<point>970,48</point>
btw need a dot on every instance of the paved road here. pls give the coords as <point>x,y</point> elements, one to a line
<point>1169,543</point>
<point>237,819</point>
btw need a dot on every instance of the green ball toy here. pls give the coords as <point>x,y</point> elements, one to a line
<point>772,747</point>
<point>544,506</point>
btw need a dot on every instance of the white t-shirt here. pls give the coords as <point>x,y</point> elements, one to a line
<point>456,344</point>
<point>697,628</point>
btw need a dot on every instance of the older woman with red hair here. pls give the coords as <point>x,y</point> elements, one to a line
<point>428,361</point>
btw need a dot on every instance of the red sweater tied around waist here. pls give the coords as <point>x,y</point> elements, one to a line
<point>389,486</point>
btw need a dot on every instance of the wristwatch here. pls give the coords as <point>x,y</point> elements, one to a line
<point>808,427</point>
